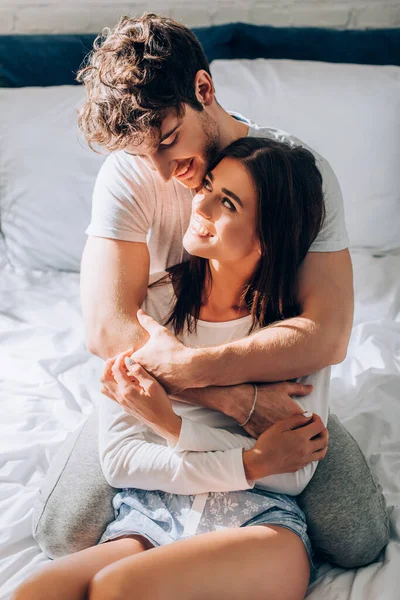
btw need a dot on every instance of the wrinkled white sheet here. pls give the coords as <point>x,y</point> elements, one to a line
<point>49,383</point>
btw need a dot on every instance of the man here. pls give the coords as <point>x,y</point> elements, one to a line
<point>151,102</point>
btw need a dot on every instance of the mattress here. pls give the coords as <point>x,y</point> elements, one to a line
<point>49,384</point>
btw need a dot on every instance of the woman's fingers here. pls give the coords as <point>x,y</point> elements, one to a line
<point>144,378</point>
<point>104,390</point>
<point>319,455</point>
<point>119,371</point>
<point>321,441</point>
<point>108,374</point>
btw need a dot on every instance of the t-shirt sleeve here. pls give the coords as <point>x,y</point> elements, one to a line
<point>123,200</point>
<point>333,235</point>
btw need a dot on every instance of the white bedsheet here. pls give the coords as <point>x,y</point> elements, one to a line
<point>49,383</point>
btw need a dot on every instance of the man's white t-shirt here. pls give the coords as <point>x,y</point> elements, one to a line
<point>131,202</point>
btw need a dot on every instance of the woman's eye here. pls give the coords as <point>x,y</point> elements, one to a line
<point>206,184</point>
<point>228,204</point>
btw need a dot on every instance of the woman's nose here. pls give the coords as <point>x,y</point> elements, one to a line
<point>203,205</point>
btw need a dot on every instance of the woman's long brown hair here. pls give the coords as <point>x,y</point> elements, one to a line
<point>290,213</point>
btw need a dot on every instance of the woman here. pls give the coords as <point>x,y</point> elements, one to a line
<point>191,475</point>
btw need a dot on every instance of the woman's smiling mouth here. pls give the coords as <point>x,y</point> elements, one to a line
<point>197,228</point>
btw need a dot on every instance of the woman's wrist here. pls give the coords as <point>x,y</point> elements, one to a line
<point>171,431</point>
<point>254,464</point>
<point>249,465</point>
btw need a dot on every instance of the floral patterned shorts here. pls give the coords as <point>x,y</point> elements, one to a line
<point>163,518</point>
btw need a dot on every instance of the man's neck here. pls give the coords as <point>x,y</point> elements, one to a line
<point>230,128</point>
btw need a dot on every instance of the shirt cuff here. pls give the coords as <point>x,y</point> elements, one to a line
<point>186,433</point>
<point>242,482</point>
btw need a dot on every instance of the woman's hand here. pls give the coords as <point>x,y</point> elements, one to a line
<point>140,395</point>
<point>286,447</point>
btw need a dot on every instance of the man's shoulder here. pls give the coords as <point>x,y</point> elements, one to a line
<point>281,135</point>
<point>333,235</point>
<point>330,182</point>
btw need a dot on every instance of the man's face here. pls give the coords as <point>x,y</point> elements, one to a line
<point>187,147</point>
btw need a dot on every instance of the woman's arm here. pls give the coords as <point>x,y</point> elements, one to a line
<point>131,455</point>
<point>130,458</point>
<point>200,437</point>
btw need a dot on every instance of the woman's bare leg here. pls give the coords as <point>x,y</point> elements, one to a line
<point>261,562</point>
<point>68,578</point>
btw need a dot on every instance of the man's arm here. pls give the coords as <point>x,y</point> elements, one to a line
<point>295,347</point>
<point>114,279</point>
<point>288,349</point>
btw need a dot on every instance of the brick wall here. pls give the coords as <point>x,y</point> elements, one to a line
<point>87,16</point>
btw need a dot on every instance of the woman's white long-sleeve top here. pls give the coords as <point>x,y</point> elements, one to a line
<point>209,454</point>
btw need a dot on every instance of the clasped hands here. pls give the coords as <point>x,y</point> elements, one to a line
<point>286,439</point>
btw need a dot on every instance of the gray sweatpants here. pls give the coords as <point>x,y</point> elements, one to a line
<point>345,509</point>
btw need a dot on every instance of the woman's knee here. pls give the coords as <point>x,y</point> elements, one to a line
<point>104,586</point>
<point>285,553</point>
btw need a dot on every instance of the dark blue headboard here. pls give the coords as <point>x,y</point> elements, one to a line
<point>42,60</point>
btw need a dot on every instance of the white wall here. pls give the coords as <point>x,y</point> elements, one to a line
<point>83,16</point>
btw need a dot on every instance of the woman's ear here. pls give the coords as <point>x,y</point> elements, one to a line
<point>257,247</point>
<point>204,87</point>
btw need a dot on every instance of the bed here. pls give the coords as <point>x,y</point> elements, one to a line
<point>49,383</point>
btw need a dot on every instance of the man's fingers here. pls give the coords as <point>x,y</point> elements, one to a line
<point>299,389</point>
<point>149,324</point>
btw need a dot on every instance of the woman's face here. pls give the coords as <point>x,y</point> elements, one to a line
<point>223,220</point>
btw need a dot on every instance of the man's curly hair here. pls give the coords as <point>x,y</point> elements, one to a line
<point>135,73</point>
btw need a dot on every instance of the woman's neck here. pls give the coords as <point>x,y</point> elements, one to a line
<point>224,288</point>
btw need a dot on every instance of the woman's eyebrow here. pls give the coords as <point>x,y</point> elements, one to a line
<point>227,192</point>
<point>232,195</point>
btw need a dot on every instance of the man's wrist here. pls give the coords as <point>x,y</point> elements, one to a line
<point>200,367</point>
<point>238,401</point>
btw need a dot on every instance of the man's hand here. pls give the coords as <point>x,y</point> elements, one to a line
<point>287,447</point>
<point>164,356</point>
<point>274,403</point>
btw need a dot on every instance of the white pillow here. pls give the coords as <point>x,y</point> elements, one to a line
<point>348,113</point>
<point>47,174</point>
